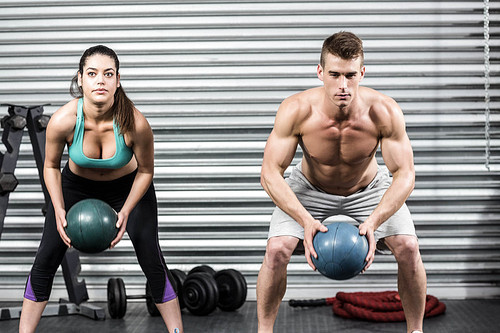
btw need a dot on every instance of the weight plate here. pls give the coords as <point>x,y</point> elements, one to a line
<point>123,298</point>
<point>202,269</point>
<point>200,293</point>
<point>232,288</point>
<point>114,299</point>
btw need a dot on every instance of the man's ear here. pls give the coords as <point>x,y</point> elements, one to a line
<point>362,72</point>
<point>319,72</point>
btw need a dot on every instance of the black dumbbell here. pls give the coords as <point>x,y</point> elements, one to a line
<point>16,122</point>
<point>232,289</point>
<point>8,182</point>
<point>117,296</point>
<point>204,290</point>
<point>41,122</point>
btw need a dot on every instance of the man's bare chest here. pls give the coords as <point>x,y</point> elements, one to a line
<point>332,143</point>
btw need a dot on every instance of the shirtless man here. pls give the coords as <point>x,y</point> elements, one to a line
<point>339,127</point>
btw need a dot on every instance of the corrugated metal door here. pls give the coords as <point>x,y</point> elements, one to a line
<point>209,76</point>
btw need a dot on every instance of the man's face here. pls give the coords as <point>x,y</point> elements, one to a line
<point>341,79</point>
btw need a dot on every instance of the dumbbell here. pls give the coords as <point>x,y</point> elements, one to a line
<point>204,289</point>
<point>8,182</point>
<point>200,291</point>
<point>16,122</point>
<point>117,296</point>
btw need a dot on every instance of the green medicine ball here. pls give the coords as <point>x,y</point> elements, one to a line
<point>91,225</point>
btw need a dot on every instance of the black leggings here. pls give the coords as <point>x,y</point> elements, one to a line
<point>142,228</point>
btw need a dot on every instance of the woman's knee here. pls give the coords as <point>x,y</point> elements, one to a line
<point>160,280</point>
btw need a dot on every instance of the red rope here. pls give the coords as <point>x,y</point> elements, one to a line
<point>378,306</point>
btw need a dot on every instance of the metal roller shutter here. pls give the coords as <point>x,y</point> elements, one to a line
<point>209,76</point>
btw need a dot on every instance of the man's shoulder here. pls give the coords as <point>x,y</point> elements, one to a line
<point>303,101</point>
<point>378,102</point>
<point>297,108</point>
<point>383,110</point>
<point>374,97</point>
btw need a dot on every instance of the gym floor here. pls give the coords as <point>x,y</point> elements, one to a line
<point>462,316</point>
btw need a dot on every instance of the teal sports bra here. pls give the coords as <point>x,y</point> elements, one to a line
<point>122,156</point>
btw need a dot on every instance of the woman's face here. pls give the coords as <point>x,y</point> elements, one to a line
<point>99,79</point>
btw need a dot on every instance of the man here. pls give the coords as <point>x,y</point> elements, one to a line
<point>339,127</point>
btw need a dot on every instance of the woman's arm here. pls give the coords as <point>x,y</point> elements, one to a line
<point>59,129</point>
<point>143,147</point>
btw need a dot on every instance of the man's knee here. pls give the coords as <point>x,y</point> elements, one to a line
<point>405,248</point>
<point>279,250</point>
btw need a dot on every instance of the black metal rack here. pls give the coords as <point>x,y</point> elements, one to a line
<point>13,124</point>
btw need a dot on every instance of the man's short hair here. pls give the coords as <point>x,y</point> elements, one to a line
<point>344,44</point>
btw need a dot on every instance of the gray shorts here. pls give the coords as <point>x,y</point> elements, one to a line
<point>358,206</point>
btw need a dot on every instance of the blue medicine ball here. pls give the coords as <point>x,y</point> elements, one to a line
<point>91,225</point>
<point>341,251</point>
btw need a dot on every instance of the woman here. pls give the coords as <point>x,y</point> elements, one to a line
<point>111,158</point>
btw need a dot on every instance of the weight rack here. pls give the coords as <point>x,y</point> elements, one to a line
<point>13,126</point>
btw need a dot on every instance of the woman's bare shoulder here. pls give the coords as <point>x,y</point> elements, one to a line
<point>64,119</point>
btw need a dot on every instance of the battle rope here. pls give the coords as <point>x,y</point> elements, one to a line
<point>382,306</point>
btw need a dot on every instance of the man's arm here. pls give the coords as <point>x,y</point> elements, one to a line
<point>278,154</point>
<point>398,157</point>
